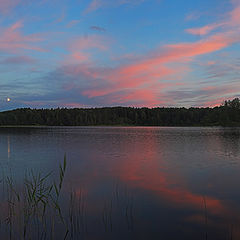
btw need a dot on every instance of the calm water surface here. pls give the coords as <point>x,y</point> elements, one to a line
<point>139,182</point>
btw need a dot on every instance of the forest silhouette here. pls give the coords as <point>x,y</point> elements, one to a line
<point>227,114</point>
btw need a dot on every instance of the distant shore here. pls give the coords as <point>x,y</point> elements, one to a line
<point>225,115</point>
<point>132,126</point>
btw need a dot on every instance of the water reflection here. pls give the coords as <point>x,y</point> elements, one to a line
<point>147,168</point>
<point>9,147</point>
<point>142,183</point>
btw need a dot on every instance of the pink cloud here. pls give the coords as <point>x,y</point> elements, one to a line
<point>78,57</point>
<point>177,53</point>
<point>16,26</point>
<point>12,40</point>
<point>215,91</point>
<point>214,102</point>
<point>235,16</point>
<point>203,30</point>
<point>126,79</point>
<point>232,20</point>
<point>153,68</point>
<point>148,72</point>
<point>214,43</point>
<point>79,48</point>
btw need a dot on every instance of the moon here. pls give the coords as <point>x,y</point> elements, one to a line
<point>8,99</point>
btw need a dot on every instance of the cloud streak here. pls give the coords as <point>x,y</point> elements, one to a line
<point>13,40</point>
<point>149,72</point>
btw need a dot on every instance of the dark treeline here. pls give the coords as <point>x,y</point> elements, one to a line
<point>228,114</point>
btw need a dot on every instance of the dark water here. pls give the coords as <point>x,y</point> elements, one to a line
<point>139,182</point>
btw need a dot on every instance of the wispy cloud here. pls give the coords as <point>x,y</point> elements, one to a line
<point>231,20</point>
<point>80,48</point>
<point>205,29</point>
<point>152,69</point>
<point>13,40</point>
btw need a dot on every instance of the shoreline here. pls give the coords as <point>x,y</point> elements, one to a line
<point>119,126</point>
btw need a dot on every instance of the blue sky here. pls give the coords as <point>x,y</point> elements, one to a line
<point>92,53</point>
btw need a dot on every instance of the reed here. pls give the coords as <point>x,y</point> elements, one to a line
<point>33,212</point>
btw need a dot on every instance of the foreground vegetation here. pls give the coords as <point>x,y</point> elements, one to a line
<point>33,210</point>
<point>39,208</point>
<point>228,114</point>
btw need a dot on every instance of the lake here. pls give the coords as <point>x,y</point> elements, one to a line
<point>133,182</point>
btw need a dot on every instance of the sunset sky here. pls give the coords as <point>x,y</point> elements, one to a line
<point>93,53</point>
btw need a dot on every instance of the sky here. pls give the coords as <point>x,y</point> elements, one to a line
<point>138,53</point>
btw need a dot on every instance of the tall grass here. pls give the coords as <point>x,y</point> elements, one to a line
<point>31,213</point>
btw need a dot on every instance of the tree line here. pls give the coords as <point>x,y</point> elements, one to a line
<point>227,114</point>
